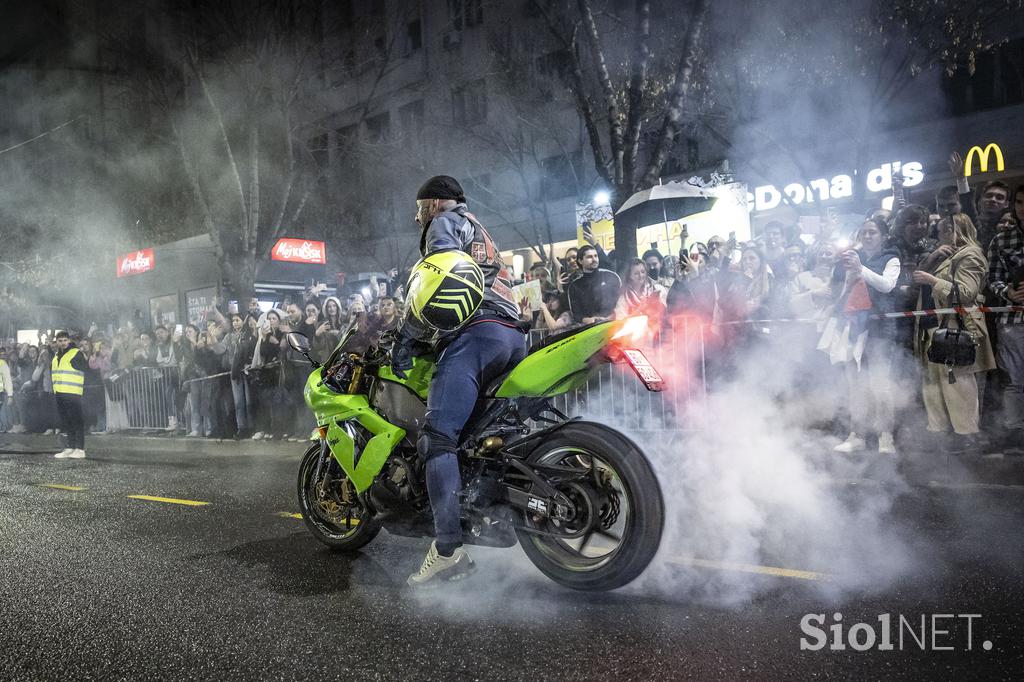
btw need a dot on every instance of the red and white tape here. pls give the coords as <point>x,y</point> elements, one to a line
<point>908,313</point>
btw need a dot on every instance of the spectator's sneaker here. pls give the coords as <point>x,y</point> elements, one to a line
<point>886,444</point>
<point>63,454</point>
<point>49,432</point>
<point>257,436</point>
<point>172,424</point>
<point>18,429</point>
<point>193,434</point>
<point>853,443</point>
<point>438,569</point>
<point>77,454</point>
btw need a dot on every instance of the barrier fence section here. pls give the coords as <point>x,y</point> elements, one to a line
<point>142,397</point>
<point>617,396</point>
<point>149,397</point>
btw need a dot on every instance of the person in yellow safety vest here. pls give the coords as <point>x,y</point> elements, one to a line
<point>68,371</point>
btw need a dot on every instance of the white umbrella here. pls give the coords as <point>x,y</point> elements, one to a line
<point>662,203</point>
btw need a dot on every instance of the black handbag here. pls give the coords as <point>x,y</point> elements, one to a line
<point>953,347</point>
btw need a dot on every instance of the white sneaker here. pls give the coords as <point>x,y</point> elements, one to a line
<point>193,434</point>
<point>63,454</point>
<point>49,432</point>
<point>77,454</point>
<point>172,424</point>
<point>886,445</point>
<point>257,435</point>
<point>438,569</point>
<point>853,443</point>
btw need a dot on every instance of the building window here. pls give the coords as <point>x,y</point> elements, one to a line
<point>559,175</point>
<point>466,13</point>
<point>318,149</point>
<point>411,116</point>
<point>555,65</point>
<point>345,139</point>
<point>346,15</point>
<point>348,61</point>
<point>413,36</point>
<point>478,186</point>
<point>378,128</point>
<point>692,153</point>
<point>469,103</point>
<point>380,47</point>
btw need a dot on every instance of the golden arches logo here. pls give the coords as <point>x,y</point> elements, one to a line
<point>983,158</point>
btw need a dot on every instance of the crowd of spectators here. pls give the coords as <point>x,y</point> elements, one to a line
<point>231,375</point>
<point>822,300</point>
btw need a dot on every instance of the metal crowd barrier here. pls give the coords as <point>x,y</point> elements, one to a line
<point>147,397</point>
<point>141,397</point>
<point>616,396</point>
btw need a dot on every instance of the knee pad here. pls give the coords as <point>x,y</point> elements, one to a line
<point>430,445</point>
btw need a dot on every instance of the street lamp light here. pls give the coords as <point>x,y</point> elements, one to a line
<point>602,198</point>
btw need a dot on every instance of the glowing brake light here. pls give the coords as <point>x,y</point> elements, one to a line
<point>633,330</point>
<point>323,432</point>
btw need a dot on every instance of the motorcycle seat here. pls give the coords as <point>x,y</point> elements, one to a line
<point>493,387</point>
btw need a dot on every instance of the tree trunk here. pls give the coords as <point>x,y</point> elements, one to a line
<point>625,233</point>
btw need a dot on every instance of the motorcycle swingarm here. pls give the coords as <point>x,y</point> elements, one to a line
<point>544,499</point>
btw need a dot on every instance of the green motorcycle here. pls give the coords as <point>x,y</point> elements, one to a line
<point>580,497</point>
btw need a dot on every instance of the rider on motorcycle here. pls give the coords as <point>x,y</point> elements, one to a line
<point>468,359</point>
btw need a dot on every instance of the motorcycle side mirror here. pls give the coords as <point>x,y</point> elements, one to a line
<point>299,342</point>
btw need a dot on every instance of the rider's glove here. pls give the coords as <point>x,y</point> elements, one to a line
<point>401,357</point>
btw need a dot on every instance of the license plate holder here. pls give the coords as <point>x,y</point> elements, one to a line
<point>644,370</point>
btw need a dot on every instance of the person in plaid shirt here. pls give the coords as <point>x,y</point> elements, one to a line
<point>1006,282</point>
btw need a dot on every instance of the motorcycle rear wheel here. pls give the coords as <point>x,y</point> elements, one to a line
<point>629,511</point>
<point>346,532</point>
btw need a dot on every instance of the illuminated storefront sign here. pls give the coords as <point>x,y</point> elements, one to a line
<point>299,251</point>
<point>767,197</point>
<point>982,155</point>
<point>135,263</point>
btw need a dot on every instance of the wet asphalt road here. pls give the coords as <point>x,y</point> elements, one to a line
<point>95,585</point>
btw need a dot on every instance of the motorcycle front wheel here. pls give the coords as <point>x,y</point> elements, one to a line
<point>330,507</point>
<point>619,511</point>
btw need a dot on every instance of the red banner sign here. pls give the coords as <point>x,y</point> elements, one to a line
<point>299,251</point>
<point>135,263</point>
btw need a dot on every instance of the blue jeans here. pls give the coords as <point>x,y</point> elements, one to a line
<point>478,355</point>
<point>240,392</point>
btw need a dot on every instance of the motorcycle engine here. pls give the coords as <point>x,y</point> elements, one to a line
<point>395,486</point>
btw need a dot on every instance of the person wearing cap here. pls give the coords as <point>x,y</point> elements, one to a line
<point>469,358</point>
<point>68,370</point>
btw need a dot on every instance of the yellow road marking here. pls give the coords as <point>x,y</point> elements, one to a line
<point>58,486</point>
<point>169,500</point>
<point>750,568</point>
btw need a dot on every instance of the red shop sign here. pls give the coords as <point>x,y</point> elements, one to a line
<point>135,263</point>
<point>299,251</point>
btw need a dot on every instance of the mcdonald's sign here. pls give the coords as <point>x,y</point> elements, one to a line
<point>983,158</point>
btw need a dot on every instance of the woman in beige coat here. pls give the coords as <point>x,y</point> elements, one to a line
<point>954,404</point>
